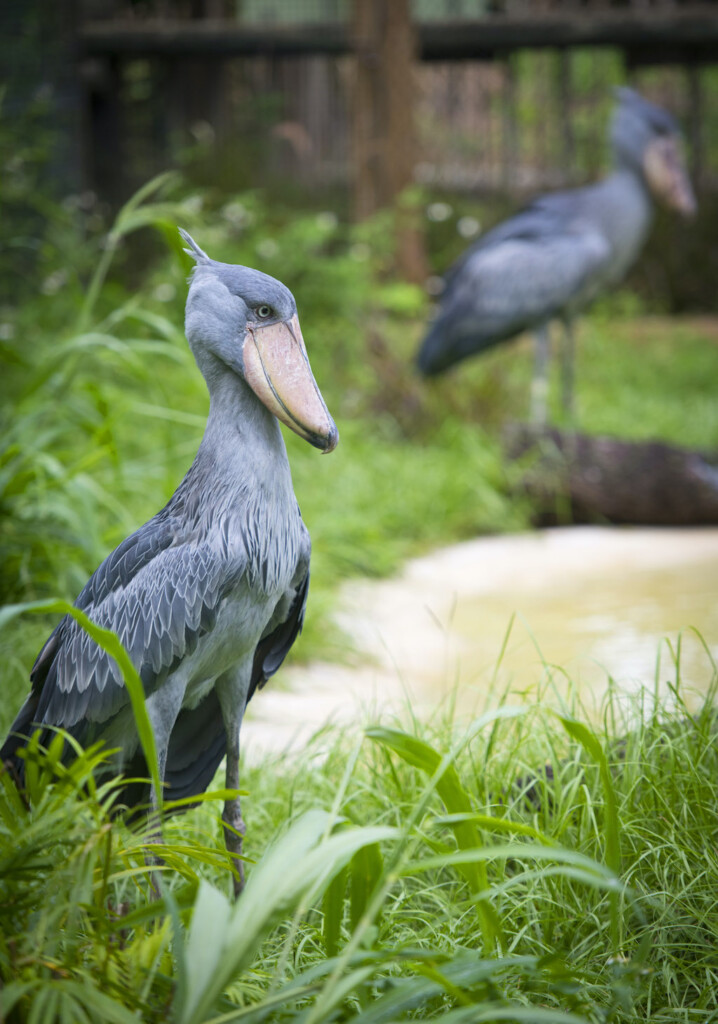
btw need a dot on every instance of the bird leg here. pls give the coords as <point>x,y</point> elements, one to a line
<point>567,368</point>
<point>234,827</point>
<point>232,692</point>
<point>163,706</point>
<point>154,833</point>
<point>539,384</point>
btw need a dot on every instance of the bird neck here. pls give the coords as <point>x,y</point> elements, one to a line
<point>625,210</point>
<point>242,438</point>
<point>629,167</point>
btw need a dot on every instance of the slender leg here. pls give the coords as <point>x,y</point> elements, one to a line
<point>234,827</point>
<point>567,368</point>
<point>539,384</point>
<point>232,692</point>
<point>154,835</point>
<point>162,707</point>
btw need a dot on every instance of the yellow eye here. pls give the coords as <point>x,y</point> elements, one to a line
<point>264,312</point>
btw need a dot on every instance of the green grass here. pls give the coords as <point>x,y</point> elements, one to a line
<point>434,872</point>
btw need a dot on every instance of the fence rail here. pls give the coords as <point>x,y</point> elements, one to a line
<point>648,35</point>
<point>515,100</point>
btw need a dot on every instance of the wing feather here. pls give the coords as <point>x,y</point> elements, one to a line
<point>159,593</point>
<point>526,271</point>
<point>282,631</point>
<point>198,742</point>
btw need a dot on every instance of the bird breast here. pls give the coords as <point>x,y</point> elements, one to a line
<point>263,554</point>
<point>271,535</point>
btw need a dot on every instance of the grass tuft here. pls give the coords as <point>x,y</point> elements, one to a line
<point>428,871</point>
<point>369,895</point>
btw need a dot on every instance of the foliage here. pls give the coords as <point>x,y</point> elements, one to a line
<point>110,643</point>
<point>102,406</point>
<point>590,894</point>
<point>89,363</point>
<point>374,862</point>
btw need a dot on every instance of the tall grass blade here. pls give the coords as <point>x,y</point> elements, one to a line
<point>516,1014</point>
<point>110,643</point>
<point>499,825</point>
<point>366,872</point>
<point>127,220</point>
<point>600,875</point>
<point>298,866</point>
<point>590,743</point>
<point>448,786</point>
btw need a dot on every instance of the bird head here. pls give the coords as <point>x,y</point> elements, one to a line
<point>647,138</point>
<point>246,321</point>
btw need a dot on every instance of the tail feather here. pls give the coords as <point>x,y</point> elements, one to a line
<point>197,746</point>
<point>452,338</point>
<point>18,737</point>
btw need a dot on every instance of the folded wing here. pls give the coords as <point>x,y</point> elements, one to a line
<point>525,272</point>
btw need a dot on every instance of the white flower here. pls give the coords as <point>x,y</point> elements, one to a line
<point>236,214</point>
<point>327,220</point>
<point>438,211</point>
<point>203,132</point>
<point>193,204</point>
<point>267,248</point>
<point>468,227</point>
<point>54,282</point>
<point>360,251</point>
<point>165,292</point>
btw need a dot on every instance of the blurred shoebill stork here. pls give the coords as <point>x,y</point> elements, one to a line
<point>553,258</point>
<point>209,595</point>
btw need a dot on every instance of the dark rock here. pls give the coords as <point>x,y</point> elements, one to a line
<point>581,478</point>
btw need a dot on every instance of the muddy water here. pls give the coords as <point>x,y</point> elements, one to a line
<point>543,612</point>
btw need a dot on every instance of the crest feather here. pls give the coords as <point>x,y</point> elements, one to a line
<point>197,254</point>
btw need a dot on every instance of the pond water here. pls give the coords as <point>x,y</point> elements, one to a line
<point>552,612</point>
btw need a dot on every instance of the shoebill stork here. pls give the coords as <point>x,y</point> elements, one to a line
<point>553,258</point>
<point>209,595</point>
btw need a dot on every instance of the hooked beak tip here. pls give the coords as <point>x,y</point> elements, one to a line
<point>327,442</point>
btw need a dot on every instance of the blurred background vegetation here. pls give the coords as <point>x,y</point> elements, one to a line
<point>102,407</point>
<point>116,126</point>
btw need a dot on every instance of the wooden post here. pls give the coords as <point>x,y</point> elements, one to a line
<point>696,113</point>
<point>365,140</point>
<point>565,92</point>
<point>105,158</point>
<point>509,135</point>
<point>383,132</point>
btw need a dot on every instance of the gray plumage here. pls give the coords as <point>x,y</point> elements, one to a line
<point>209,595</point>
<point>553,258</point>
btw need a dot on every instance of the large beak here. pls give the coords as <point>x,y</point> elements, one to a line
<point>667,175</point>
<point>277,369</point>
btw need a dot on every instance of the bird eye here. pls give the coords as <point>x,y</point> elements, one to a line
<point>264,312</point>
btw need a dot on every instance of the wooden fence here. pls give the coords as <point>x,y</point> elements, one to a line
<point>515,100</point>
